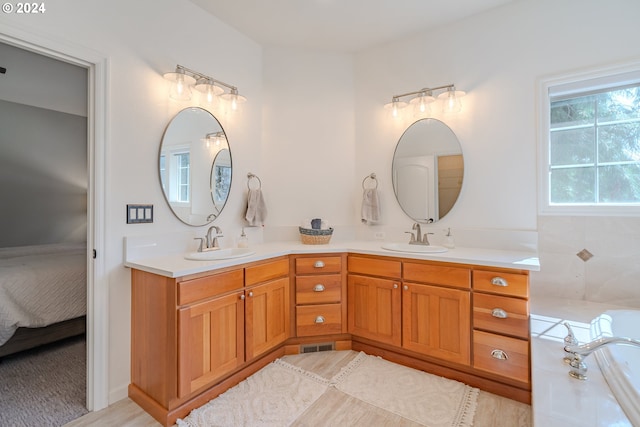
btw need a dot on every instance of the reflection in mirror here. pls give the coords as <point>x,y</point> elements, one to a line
<point>221,179</point>
<point>195,166</point>
<point>427,170</point>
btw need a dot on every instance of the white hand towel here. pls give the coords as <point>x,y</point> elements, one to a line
<point>370,206</point>
<point>256,208</point>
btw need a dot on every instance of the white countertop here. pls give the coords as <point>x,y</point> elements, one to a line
<point>176,265</point>
<point>557,399</point>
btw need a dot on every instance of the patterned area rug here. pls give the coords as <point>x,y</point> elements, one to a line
<point>426,399</point>
<point>279,393</point>
<point>274,396</point>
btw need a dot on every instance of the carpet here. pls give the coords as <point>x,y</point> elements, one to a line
<point>280,392</point>
<point>45,386</point>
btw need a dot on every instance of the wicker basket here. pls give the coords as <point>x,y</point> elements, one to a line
<point>310,236</point>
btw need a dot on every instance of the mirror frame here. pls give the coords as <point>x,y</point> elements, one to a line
<point>214,210</point>
<point>436,154</point>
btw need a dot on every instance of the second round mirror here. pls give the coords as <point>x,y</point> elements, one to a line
<point>427,170</point>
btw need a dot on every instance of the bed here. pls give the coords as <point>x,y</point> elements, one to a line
<point>43,294</point>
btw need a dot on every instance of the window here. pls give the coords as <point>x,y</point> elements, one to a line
<point>590,144</point>
<point>182,177</point>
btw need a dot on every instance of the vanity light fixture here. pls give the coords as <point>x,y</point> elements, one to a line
<point>423,99</point>
<point>184,78</point>
<point>214,137</point>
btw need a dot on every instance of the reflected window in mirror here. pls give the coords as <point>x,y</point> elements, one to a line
<point>195,167</point>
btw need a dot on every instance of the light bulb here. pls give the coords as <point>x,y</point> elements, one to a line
<point>395,106</point>
<point>451,100</point>
<point>180,85</point>
<point>234,99</point>
<point>421,107</point>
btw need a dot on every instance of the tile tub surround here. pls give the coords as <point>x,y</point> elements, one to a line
<point>557,399</point>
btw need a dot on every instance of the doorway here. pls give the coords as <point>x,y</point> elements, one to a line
<point>95,65</point>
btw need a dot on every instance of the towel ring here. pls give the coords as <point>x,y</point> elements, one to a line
<point>371,177</point>
<point>251,176</point>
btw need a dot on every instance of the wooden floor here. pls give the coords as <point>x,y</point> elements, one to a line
<point>492,410</point>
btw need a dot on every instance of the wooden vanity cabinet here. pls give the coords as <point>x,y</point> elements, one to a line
<point>210,329</point>
<point>267,306</point>
<point>194,337</point>
<point>501,324</point>
<point>319,294</point>
<point>374,299</point>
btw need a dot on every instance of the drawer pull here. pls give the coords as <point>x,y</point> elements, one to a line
<point>242,296</point>
<point>499,281</point>
<point>318,264</point>
<point>499,313</point>
<point>405,287</point>
<point>318,288</point>
<point>251,294</point>
<point>499,354</point>
<point>395,286</point>
<point>319,319</point>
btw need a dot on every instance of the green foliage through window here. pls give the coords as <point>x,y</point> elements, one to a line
<point>594,148</point>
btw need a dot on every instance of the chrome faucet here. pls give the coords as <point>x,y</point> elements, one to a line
<point>212,240</point>
<point>578,367</point>
<point>418,238</point>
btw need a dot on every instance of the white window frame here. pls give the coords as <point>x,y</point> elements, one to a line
<point>576,82</point>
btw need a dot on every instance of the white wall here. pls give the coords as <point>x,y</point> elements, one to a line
<point>308,137</point>
<point>498,57</point>
<point>143,40</point>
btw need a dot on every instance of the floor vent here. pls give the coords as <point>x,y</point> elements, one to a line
<point>313,348</point>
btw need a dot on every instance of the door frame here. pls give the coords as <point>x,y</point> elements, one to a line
<point>97,66</point>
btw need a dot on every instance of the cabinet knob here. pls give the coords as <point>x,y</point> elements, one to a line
<point>405,287</point>
<point>499,354</point>
<point>250,293</point>
<point>319,319</point>
<point>499,313</point>
<point>499,281</point>
<point>242,296</point>
<point>395,286</point>
<point>318,288</point>
<point>318,264</point>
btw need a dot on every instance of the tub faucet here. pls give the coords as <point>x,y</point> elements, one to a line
<point>579,352</point>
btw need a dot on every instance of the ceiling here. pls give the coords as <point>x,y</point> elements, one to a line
<point>339,25</point>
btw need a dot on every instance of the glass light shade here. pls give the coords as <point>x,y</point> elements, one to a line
<point>234,99</point>
<point>451,100</point>
<point>421,104</point>
<point>395,106</point>
<point>209,90</point>
<point>180,85</point>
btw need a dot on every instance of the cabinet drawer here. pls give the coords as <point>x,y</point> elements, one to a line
<point>512,284</point>
<point>205,287</point>
<point>501,314</point>
<point>500,355</point>
<point>321,264</point>
<point>437,275</point>
<point>320,289</point>
<point>320,319</point>
<point>375,266</point>
<point>267,271</point>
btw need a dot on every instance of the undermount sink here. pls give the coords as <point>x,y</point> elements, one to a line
<point>219,254</point>
<point>421,249</point>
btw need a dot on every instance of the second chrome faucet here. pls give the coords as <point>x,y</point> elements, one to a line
<point>418,238</point>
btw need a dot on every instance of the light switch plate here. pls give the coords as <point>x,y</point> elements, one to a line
<point>139,214</point>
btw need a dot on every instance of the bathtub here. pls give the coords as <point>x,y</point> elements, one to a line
<point>620,364</point>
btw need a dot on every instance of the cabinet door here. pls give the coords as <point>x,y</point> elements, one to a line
<point>268,316</point>
<point>374,308</point>
<point>436,322</point>
<point>210,341</point>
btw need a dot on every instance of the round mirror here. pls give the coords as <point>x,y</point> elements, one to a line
<point>427,170</point>
<point>195,166</point>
